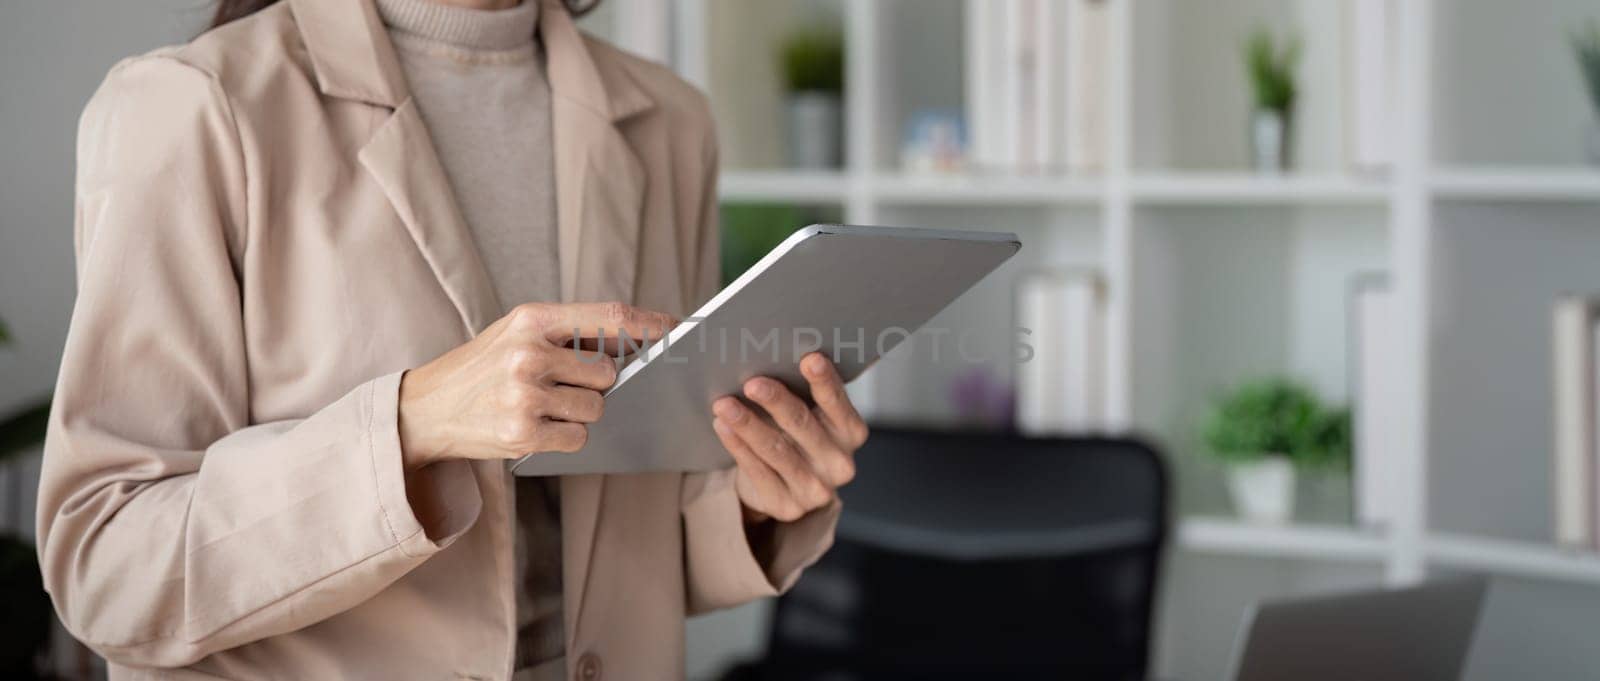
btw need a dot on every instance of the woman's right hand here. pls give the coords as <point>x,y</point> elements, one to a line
<point>526,384</point>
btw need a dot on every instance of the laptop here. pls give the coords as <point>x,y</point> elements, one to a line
<point>1419,633</point>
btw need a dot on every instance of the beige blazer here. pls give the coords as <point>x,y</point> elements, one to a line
<point>265,242</point>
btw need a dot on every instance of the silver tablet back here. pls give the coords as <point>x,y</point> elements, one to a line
<point>851,292</point>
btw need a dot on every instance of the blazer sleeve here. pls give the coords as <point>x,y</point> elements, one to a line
<point>721,568</point>
<point>170,527</point>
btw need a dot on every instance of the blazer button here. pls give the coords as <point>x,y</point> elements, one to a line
<point>589,667</point>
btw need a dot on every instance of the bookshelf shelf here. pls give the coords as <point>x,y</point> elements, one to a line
<point>1516,558</point>
<point>1227,188</point>
<point>784,185</point>
<point>1517,184</point>
<point>1155,188</point>
<point>1308,542</point>
<point>975,189</point>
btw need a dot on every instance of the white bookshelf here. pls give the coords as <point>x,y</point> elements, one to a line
<point>1521,559</point>
<point>1516,184</point>
<point>1161,209</point>
<point>1133,198</point>
<point>1230,536</point>
<point>1240,188</point>
<point>796,187</point>
<point>974,189</point>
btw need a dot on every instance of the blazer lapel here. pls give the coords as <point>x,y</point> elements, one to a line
<point>401,158</point>
<point>353,59</point>
<point>600,186</point>
<point>600,183</point>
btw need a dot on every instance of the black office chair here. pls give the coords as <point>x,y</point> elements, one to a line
<point>981,555</point>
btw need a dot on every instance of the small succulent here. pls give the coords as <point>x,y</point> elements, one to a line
<point>813,60</point>
<point>1271,70</point>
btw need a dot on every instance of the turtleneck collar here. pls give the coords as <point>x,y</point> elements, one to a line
<point>468,29</point>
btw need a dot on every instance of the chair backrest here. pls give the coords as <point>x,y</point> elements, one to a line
<point>972,554</point>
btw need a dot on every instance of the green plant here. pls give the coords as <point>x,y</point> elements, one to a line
<point>1586,43</point>
<point>1277,417</point>
<point>1330,441</point>
<point>813,60</point>
<point>750,230</point>
<point>1271,70</point>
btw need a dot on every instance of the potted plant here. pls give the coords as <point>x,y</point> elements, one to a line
<point>1270,68</point>
<point>1586,43</point>
<point>1263,431</point>
<point>813,72</point>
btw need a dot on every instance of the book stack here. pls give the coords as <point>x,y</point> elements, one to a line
<point>1036,85</point>
<point>1060,389</point>
<point>1573,466</point>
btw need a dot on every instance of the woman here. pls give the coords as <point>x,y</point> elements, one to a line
<point>330,258</point>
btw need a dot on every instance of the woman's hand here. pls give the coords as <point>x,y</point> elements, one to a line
<point>793,457</point>
<point>523,385</point>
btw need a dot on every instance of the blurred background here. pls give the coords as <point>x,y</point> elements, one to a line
<point>1334,261</point>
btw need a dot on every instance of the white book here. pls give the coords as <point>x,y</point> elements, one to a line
<point>1083,369</point>
<point>1050,78</point>
<point>991,84</point>
<point>1040,393</point>
<point>1088,56</point>
<point>1371,81</point>
<point>1375,366</point>
<point>1061,388</point>
<point>1026,61</point>
<point>1013,37</point>
<point>1573,469</point>
<point>981,79</point>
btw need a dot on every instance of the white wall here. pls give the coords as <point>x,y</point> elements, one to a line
<point>1498,271</point>
<point>1507,87</point>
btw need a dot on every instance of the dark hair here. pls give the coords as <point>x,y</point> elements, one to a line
<point>228,10</point>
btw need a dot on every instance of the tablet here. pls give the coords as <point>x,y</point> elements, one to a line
<point>853,293</point>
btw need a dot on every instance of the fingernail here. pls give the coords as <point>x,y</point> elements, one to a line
<point>813,365</point>
<point>730,410</point>
<point>759,389</point>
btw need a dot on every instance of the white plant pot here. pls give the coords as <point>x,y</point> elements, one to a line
<point>1269,140</point>
<point>1263,491</point>
<point>815,122</point>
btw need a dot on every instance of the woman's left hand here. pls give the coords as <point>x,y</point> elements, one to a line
<point>793,457</point>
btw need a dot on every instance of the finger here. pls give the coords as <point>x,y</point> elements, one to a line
<point>576,405</point>
<point>777,450</point>
<point>592,370</point>
<point>560,436</point>
<point>616,346</point>
<point>828,458</point>
<point>827,390</point>
<point>772,495</point>
<point>578,321</point>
